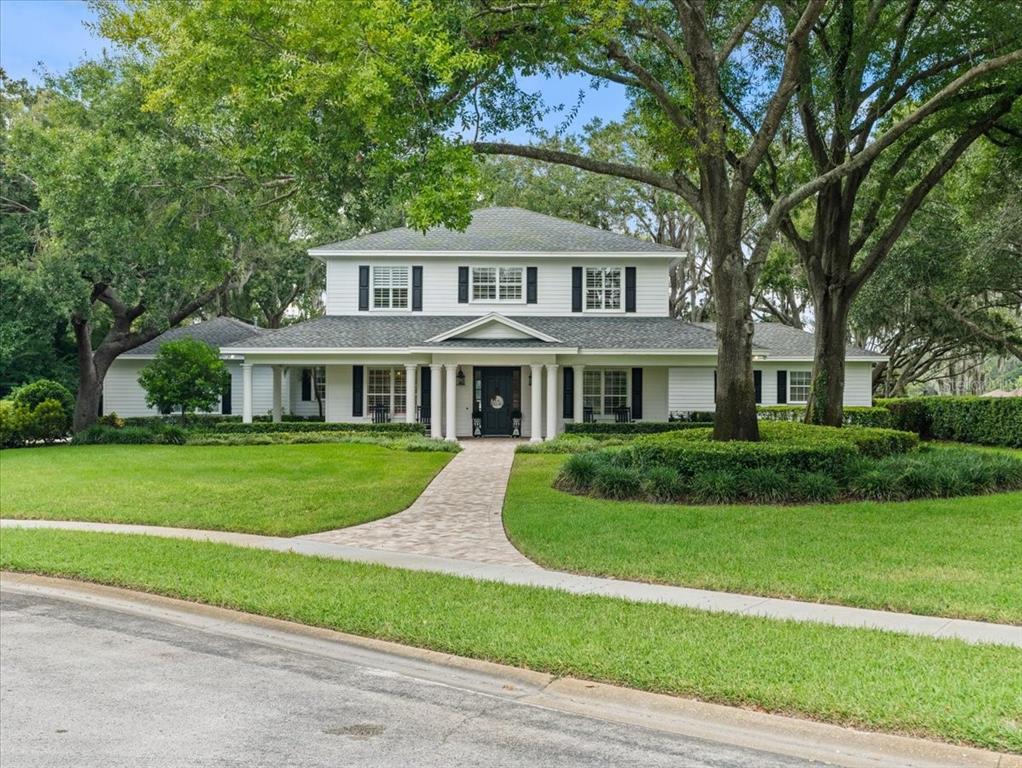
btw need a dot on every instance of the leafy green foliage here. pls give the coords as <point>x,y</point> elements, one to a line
<point>400,441</point>
<point>31,395</point>
<point>857,415</point>
<point>983,420</point>
<point>186,375</point>
<point>101,434</point>
<point>22,424</point>
<point>263,427</point>
<point>604,428</point>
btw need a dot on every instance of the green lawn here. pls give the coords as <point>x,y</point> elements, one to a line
<point>948,557</point>
<point>281,490</point>
<point>939,688</point>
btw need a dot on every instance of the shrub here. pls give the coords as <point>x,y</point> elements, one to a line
<point>717,486</point>
<point>878,443</point>
<point>99,434</point>
<point>764,484</point>
<point>815,486</point>
<point>397,441</point>
<point>579,472</point>
<point>111,420</point>
<point>631,427</point>
<point>693,453</point>
<point>32,395</point>
<point>874,484</point>
<point>14,421</point>
<point>237,427</point>
<point>616,482</point>
<point>984,420</point>
<point>663,484</point>
<point>49,422</point>
<point>854,415</point>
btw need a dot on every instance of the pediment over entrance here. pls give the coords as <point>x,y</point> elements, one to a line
<point>493,326</point>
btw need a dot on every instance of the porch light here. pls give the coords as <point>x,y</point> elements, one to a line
<point>461,377</point>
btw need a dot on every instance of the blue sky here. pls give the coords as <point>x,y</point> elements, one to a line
<point>39,36</point>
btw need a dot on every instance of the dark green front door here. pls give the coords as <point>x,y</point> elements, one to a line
<point>496,400</point>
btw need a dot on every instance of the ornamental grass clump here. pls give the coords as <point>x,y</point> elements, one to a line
<point>716,487</point>
<point>764,484</point>
<point>617,482</point>
<point>663,484</point>
<point>815,487</point>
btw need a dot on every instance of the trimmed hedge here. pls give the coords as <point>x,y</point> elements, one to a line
<point>984,420</point>
<point>204,419</point>
<point>100,434</point>
<point>632,427</point>
<point>401,441</point>
<point>855,415</point>
<point>236,427</point>
<point>23,424</point>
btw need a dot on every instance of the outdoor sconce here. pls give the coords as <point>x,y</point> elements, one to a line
<point>461,377</point>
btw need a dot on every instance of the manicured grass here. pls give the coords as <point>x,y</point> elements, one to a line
<point>957,557</point>
<point>938,688</point>
<point>280,490</point>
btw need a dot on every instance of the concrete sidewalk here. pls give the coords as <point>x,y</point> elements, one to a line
<point>726,602</point>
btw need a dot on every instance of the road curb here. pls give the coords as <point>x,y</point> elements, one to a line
<point>776,734</point>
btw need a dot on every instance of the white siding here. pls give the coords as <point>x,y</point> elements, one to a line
<point>654,394</point>
<point>858,384</point>
<point>299,407</point>
<point>690,389</point>
<point>440,285</point>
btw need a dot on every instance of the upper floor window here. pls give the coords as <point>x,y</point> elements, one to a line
<point>497,283</point>
<point>390,287</point>
<point>798,386</point>
<point>603,289</point>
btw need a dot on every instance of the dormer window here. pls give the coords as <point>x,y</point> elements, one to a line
<point>497,284</point>
<point>390,287</point>
<point>603,289</point>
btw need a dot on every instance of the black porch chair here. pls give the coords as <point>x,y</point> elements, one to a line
<point>588,417</point>
<point>623,415</point>
<point>380,414</point>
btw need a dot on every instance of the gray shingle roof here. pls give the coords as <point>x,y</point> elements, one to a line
<point>502,230</point>
<point>644,333</point>
<point>785,341</point>
<point>218,332</point>
<point>363,332</point>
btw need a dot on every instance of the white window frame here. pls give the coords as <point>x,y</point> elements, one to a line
<point>791,386</point>
<point>392,394</point>
<point>392,268</point>
<point>602,309</point>
<point>602,411</point>
<point>499,274</point>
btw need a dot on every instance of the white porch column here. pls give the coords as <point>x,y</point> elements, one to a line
<point>246,392</point>
<point>537,403</point>
<point>411,369</point>
<point>450,392</point>
<point>578,407</point>
<point>551,401</point>
<point>277,387</point>
<point>435,410</point>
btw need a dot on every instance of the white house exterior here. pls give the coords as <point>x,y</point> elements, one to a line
<point>516,326</point>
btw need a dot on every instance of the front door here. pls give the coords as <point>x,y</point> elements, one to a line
<point>497,391</point>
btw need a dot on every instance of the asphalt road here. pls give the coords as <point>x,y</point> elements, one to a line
<point>86,686</point>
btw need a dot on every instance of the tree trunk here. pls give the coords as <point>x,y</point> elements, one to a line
<point>735,415</point>
<point>90,380</point>
<point>826,397</point>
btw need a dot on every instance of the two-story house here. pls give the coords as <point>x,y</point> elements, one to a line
<point>513,327</point>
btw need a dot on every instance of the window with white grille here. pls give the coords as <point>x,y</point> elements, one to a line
<point>603,289</point>
<point>798,386</point>
<point>604,390</point>
<point>497,284</point>
<point>390,287</point>
<point>386,387</point>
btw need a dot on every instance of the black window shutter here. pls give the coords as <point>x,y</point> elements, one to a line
<point>425,389</point>
<point>636,393</point>
<point>357,376</point>
<point>757,378</point>
<point>416,289</point>
<point>576,289</point>
<point>225,398</point>
<point>782,387</point>
<point>531,289</point>
<point>463,285</point>
<point>306,385</point>
<point>629,289</point>
<point>363,289</point>
<point>569,392</point>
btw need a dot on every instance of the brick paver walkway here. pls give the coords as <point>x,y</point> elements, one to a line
<point>458,515</point>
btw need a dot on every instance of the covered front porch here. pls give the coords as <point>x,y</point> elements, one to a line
<point>470,393</point>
